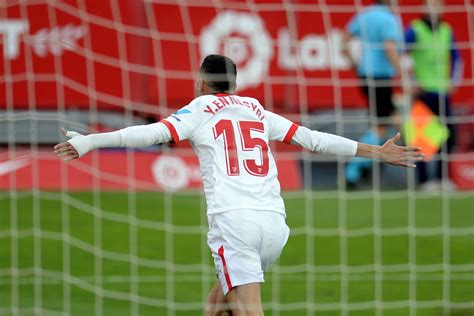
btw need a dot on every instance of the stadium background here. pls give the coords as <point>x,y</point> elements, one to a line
<point>68,245</point>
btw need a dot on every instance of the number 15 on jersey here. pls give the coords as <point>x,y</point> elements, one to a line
<point>224,128</point>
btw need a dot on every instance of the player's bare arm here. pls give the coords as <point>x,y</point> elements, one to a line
<point>393,56</point>
<point>66,150</point>
<point>392,153</point>
<point>347,37</point>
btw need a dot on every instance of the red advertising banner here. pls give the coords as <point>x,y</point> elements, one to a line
<point>116,170</point>
<point>462,173</point>
<point>142,55</point>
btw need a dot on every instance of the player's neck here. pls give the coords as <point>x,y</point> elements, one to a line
<point>221,94</point>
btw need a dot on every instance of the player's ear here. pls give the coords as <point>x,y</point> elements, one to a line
<point>233,87</point>
<point>199,87</point>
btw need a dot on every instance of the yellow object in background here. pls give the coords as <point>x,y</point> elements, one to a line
<point>424,129</point>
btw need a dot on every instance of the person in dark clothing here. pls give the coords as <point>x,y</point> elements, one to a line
<point>437,68</point>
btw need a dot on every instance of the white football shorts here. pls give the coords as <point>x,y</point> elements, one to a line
<point>244,244</point>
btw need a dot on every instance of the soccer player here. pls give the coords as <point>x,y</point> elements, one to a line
<point>231,135</point>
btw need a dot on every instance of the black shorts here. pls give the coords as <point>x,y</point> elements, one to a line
<point>379,94</point>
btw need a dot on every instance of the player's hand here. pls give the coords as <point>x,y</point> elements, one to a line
<point>397,155</point>
<point>66,150</point>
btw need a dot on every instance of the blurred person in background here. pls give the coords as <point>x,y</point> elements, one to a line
<point>437,69</point>
<point>381,36</point>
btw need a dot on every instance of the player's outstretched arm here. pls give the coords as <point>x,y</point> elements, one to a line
<point>392,153</point>
<point>389,152</point>
<point>135,136</point>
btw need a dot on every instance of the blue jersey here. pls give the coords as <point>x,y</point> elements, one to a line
<point>374,26</point>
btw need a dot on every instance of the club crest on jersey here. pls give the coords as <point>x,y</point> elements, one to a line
<point>179,112</point>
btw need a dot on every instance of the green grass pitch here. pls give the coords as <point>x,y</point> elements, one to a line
<point>80,245</point>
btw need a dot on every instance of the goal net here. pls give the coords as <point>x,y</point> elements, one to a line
<point>124,231</point>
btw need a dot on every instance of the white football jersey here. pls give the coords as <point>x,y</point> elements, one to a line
<point>231,135</point>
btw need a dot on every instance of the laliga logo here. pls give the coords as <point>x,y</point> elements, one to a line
<point>173,173</point>
<point>243,38</point>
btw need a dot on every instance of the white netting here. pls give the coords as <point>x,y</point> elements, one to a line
<point>69,246</point>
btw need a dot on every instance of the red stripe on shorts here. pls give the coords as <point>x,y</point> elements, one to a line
<point>226,272</point>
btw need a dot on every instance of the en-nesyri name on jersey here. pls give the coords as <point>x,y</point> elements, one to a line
<point>231,135</point>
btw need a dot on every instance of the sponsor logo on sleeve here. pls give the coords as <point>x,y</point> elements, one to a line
<point>180,112</point>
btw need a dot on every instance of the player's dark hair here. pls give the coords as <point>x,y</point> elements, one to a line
<point>219,72</point>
